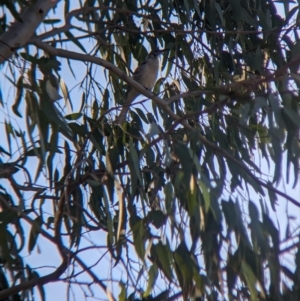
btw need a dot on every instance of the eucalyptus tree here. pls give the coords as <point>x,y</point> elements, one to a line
<point>177,202</point>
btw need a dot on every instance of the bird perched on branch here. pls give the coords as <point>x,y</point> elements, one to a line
<point>145,74</point>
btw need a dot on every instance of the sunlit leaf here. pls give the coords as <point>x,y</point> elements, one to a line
<point>153,273</point>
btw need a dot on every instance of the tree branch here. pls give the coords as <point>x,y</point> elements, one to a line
<point>20,32</point>
<point>52,276</point>
<point>164,104</point>
<point>34,282</point>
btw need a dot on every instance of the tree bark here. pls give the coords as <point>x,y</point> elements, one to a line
<point>19,33</point>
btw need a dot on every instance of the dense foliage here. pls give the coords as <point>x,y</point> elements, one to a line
<point>195,196</point>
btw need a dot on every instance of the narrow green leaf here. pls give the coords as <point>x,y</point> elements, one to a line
<point>152,276</point>
<point>183,266</point>
<point>139,235</point>
<point>251,281</point>
<point>162,256</point>
<point>135,160</point>
<point>73,116</point>
<point>75,41</point>
<point>294,117</point>
<point>182,152</point>
<point>205,194</point>
<point>19,95</point>
<point>9,132</point>
<point>54,116</point>
<point>34,232</point>
<point>123,293</point>
<point>5,252</point>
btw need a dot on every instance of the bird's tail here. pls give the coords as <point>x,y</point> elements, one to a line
<point>131,96</point>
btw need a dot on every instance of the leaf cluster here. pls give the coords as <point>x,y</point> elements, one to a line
<point>184,194</point>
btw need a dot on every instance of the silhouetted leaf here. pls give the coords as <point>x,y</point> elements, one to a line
<point>34,233</point>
